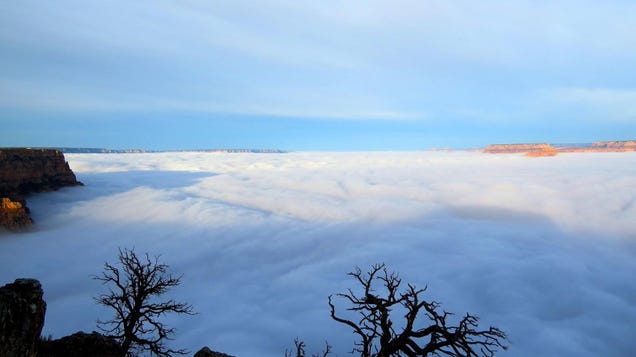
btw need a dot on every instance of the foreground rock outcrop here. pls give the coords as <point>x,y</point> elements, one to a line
<point>26,171</point>
<point>80,344</point>
<point>22,310</point>
<point>207,352</point>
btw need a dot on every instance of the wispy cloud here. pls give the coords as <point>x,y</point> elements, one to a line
<point>463,69</point>
<point>607,103</point>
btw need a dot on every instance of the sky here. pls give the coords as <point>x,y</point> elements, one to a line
<point>316,75</point>
<point>263,240</point>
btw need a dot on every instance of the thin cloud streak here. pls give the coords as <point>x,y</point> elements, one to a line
<point>332,60</point>
<point>612,104</point>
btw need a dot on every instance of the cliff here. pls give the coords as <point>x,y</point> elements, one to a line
<point>539,150</point>
<point>606,146</point>
<point>14,214</point>
<point>517,148</point>
<point>543,152</point>
<point>26,171</point>
<point>628,145</point>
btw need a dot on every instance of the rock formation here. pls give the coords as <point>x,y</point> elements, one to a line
<point>80,344</point>
<point>518,148</point>
<point>539,150</point>
<point>207,352</point>
<point>14,214</point>
<point>551,151</point>
<point>22,312</point>
<point>628,145</point>
<point>25,171</point>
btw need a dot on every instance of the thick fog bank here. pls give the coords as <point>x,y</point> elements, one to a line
<point>543,248</point>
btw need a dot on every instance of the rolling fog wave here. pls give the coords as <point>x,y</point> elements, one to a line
<point>543,248</point>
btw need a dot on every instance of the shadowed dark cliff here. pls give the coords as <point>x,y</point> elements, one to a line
<point>25,171</point>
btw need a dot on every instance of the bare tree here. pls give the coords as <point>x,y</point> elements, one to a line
<point>134,286</point>
<point>379,337</point>
<point>300,350</point>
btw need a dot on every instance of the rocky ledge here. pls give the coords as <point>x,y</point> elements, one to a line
<point>26,171</point>
<point>22,315</point>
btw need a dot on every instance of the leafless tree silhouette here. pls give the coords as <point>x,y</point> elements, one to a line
<point>134,286</point>
<point>300,350</point>
<point>379,337</point>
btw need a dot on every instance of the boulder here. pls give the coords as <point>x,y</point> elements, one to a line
<point>22,312</point>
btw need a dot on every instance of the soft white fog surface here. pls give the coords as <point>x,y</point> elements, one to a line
<point>543,248</point>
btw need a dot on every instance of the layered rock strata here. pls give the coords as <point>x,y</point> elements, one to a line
<point>517,148</point>
<point>539,150</point>
<point>605,146</point>
<point>545,152</point>
<point>26,171</point>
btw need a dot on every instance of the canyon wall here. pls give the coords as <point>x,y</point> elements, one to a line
<point>517,148</point>
<point>26,171</point>
<point>606,146</point>
<point>539,150</point>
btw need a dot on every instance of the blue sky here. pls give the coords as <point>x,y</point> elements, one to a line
<point>315,75</point>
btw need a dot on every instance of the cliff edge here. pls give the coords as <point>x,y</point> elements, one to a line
<point>26,171</point>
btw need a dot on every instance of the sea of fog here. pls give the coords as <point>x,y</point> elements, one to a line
<point>543,248</point>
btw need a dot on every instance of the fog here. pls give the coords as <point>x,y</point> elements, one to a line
<point>543,248</point>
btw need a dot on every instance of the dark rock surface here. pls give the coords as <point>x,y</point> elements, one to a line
<point>22,311</point>
<point>207,352</point>
<point>80,344</point>
<point>26,171</point>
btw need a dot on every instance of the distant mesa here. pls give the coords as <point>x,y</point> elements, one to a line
<point>244,151</point>
<point>543,149</point>
<point>543,152</point>
<point>97,150</point>
<point>68,150</point>
<point>24,171</point>
<point>517,148</point>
